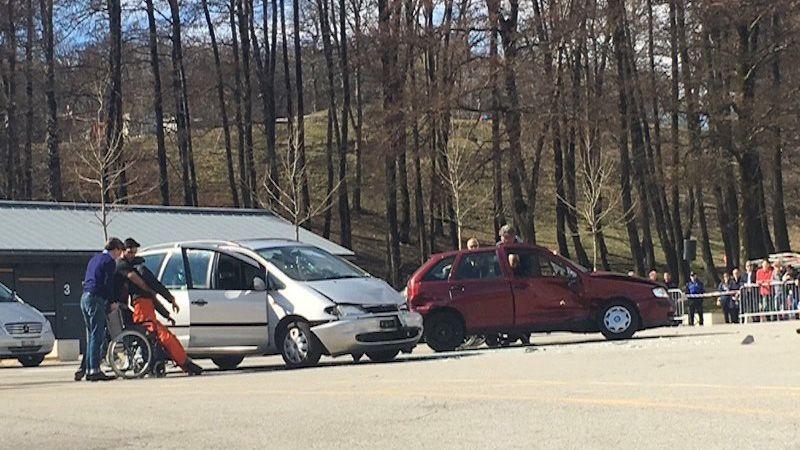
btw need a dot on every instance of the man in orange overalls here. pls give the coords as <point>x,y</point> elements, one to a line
<point>143,289</point>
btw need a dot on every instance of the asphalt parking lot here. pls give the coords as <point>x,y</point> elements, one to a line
<point>667,388</point>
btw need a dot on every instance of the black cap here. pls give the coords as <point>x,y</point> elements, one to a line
<point>693,274</point>
<point>131,243</point>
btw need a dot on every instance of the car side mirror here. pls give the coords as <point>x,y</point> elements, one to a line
<point>259,284</point>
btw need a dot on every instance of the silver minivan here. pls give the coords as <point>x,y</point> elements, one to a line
<point>262,297</point>
<point>25,334</point>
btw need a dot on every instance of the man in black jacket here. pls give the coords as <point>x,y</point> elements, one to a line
<point>146,304</point>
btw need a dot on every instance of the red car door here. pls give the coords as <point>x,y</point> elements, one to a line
<point>481,292</point>
<point>546,291</point>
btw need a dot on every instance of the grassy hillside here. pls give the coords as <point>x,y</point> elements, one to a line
<point>368,227</point>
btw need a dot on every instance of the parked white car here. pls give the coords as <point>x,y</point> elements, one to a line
<point>262,297</point>
<point>25,334</point>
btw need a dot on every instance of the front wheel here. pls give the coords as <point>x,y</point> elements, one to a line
<point>299,346</point>
<point>383,355</point>
<point>618,320</point>
<point>227,362</point>
<point>31,360</point>
<point>444,332</point>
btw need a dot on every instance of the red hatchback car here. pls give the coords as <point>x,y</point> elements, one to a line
<point>520,289</point>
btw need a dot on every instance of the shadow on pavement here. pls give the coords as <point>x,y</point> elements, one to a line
<point>343,361</point>
<point>597,340</point>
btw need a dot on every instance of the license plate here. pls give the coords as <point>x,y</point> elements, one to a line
<point>388,323</point>
<point>27,343</point>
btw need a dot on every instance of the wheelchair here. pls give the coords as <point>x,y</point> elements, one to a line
<point>133,351</point>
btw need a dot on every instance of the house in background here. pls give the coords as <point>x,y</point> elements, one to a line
<point>44,247</point>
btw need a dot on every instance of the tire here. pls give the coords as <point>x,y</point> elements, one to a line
<point>159,369</point>
<point>31,360</point>
<point>130,354</point>
<point>618,320</point>
<point>444,331</point>
<point>383,355</point>
<point>299,346</point>
<point>227,362</point>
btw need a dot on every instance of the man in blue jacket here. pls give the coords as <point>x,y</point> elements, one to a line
<point>695,287</point>
<point>98,291</point>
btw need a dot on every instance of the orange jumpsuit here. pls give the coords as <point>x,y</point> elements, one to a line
<point>144,312</point>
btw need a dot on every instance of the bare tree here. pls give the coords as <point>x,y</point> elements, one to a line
<point>158,102</point>
<point>601,199</point>
<point>54,158</point>
<point>102,165</point>
<point>466,163</point>
<point>286,194</point>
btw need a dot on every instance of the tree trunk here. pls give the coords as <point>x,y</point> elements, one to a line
<point>237,98</point>
<point>359,119</point>
<point>12,147</point>
<point>247,99</point>
<point>158,100</point>
<point>26,172</point>
<point>345,236</point>
<point>569,164</point>
<point>301,134</point>
<point>333,121</point>
<point>272,154</point>
<point>114,137</point>
<point>182,115</point>
<point>752,211</point>
<point>53,156</point>
<point>675,143</point>
<point>558,165</point>
<point>616,12</point>
<point>516,170</point>
<point>290,133</point>
<point>497,169</point>
<point>392,117</point>
<point>693,124</point>
<point>778,208</point>
<point>263,85</point>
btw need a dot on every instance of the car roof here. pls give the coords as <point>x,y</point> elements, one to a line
<point>483,249</point>
<point>252,244</point>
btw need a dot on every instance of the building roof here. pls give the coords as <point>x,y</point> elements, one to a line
<point>75,227</point>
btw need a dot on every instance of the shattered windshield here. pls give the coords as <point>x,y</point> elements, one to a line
<point>310,264</point>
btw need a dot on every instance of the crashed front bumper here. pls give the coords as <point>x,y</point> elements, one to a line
<point>369,333</point>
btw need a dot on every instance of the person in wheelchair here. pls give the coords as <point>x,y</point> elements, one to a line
<point>143,288</point>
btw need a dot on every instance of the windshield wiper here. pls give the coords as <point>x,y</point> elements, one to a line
<point>341,277</point>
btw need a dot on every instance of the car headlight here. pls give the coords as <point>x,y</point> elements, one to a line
<point>402,307</point>
<point>46,326</point>
<point>344,310</point>
<point>660,292</point>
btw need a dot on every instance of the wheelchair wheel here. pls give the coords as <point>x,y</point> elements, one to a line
<point>130,354</point>
<point>159,369</point>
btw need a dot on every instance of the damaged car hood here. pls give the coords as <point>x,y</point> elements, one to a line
<point>358,291</point>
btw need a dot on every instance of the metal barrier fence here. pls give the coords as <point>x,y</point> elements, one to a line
<point>776,301</point>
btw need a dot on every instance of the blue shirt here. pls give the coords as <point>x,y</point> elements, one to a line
<point>695,287</point>
<point>99,279</point>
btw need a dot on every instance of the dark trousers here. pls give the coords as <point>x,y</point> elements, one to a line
<point>94,315</point>
<point>695,307</point>
<point>731,312</point>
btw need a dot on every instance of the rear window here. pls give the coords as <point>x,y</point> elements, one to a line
<point>478,266</point>
<point>441,270</point>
